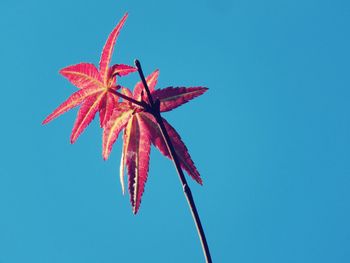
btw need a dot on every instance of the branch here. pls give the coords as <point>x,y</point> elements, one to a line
<point>155,111</point>
<point>144,82</point>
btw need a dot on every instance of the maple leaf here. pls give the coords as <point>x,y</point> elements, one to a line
<point>94,86</point>
<point>141,130</point>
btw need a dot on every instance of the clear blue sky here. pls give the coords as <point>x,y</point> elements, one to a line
<point>271,137</point>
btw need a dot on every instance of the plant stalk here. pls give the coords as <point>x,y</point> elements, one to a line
<point>155,111</point>
<point>139,103</point>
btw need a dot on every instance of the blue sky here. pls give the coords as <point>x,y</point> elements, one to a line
<point>271,137</point>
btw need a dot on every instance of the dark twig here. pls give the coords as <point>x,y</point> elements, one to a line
<point>155,111</point>
<point>144,82</point>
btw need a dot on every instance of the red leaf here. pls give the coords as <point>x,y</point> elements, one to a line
<point>173,97</point>
<point>121,70</point>
<point>107,105</point>
<point>180,148</point>
<point>86,114</point>
<point>111,130</point>
<point>137,159</point>
<point>74,100</point>
<point>126,92</point>
<point>151,81</point>
<point>94,85</point>
<point>83,75</point>
<point>108,50</point>
<point>126,138</point>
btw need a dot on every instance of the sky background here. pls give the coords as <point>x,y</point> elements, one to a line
<point>271,137</point>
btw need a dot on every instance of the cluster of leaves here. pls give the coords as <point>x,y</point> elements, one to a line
<point>99,92</point>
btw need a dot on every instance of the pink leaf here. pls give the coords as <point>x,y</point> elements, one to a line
<point>180,148</point>
<point>121,70</point>
<point>107,105</point>
<point>126,92</point>
<point>83,75</point>
<point>86,114</point>
<point>173,97</point>
<point>74,100</point>
<point>112,129</point>
<point>126,139</point>
<point>108,49</point>
<point>137,159</point>
<point>151,82</point>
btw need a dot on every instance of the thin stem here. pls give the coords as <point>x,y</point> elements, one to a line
<point>139,103</point>
<point>155,111</point>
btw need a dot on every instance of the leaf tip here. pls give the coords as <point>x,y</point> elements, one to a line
<point>135,210</point>
<point>201,89</point>
<point>105,153</point>
<point>47,119</point>
<point>155,74</point>
<point>62,71</point>
<point>73,138</point>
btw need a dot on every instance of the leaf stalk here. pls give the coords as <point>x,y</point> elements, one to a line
<point>138,103</point>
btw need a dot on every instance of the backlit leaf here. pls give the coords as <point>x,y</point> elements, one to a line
<point>108,49</point>
<point>86,114</point>
<point>74,100</point>
<point>121,70</point>
<point>151,81</point>
<point>137,160</point>
<point>95,86</point>
<point>112,129</point>
<point>83,75</point>
<point>108,103</point>
<point>180,148</point>
<point>173,97</point>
